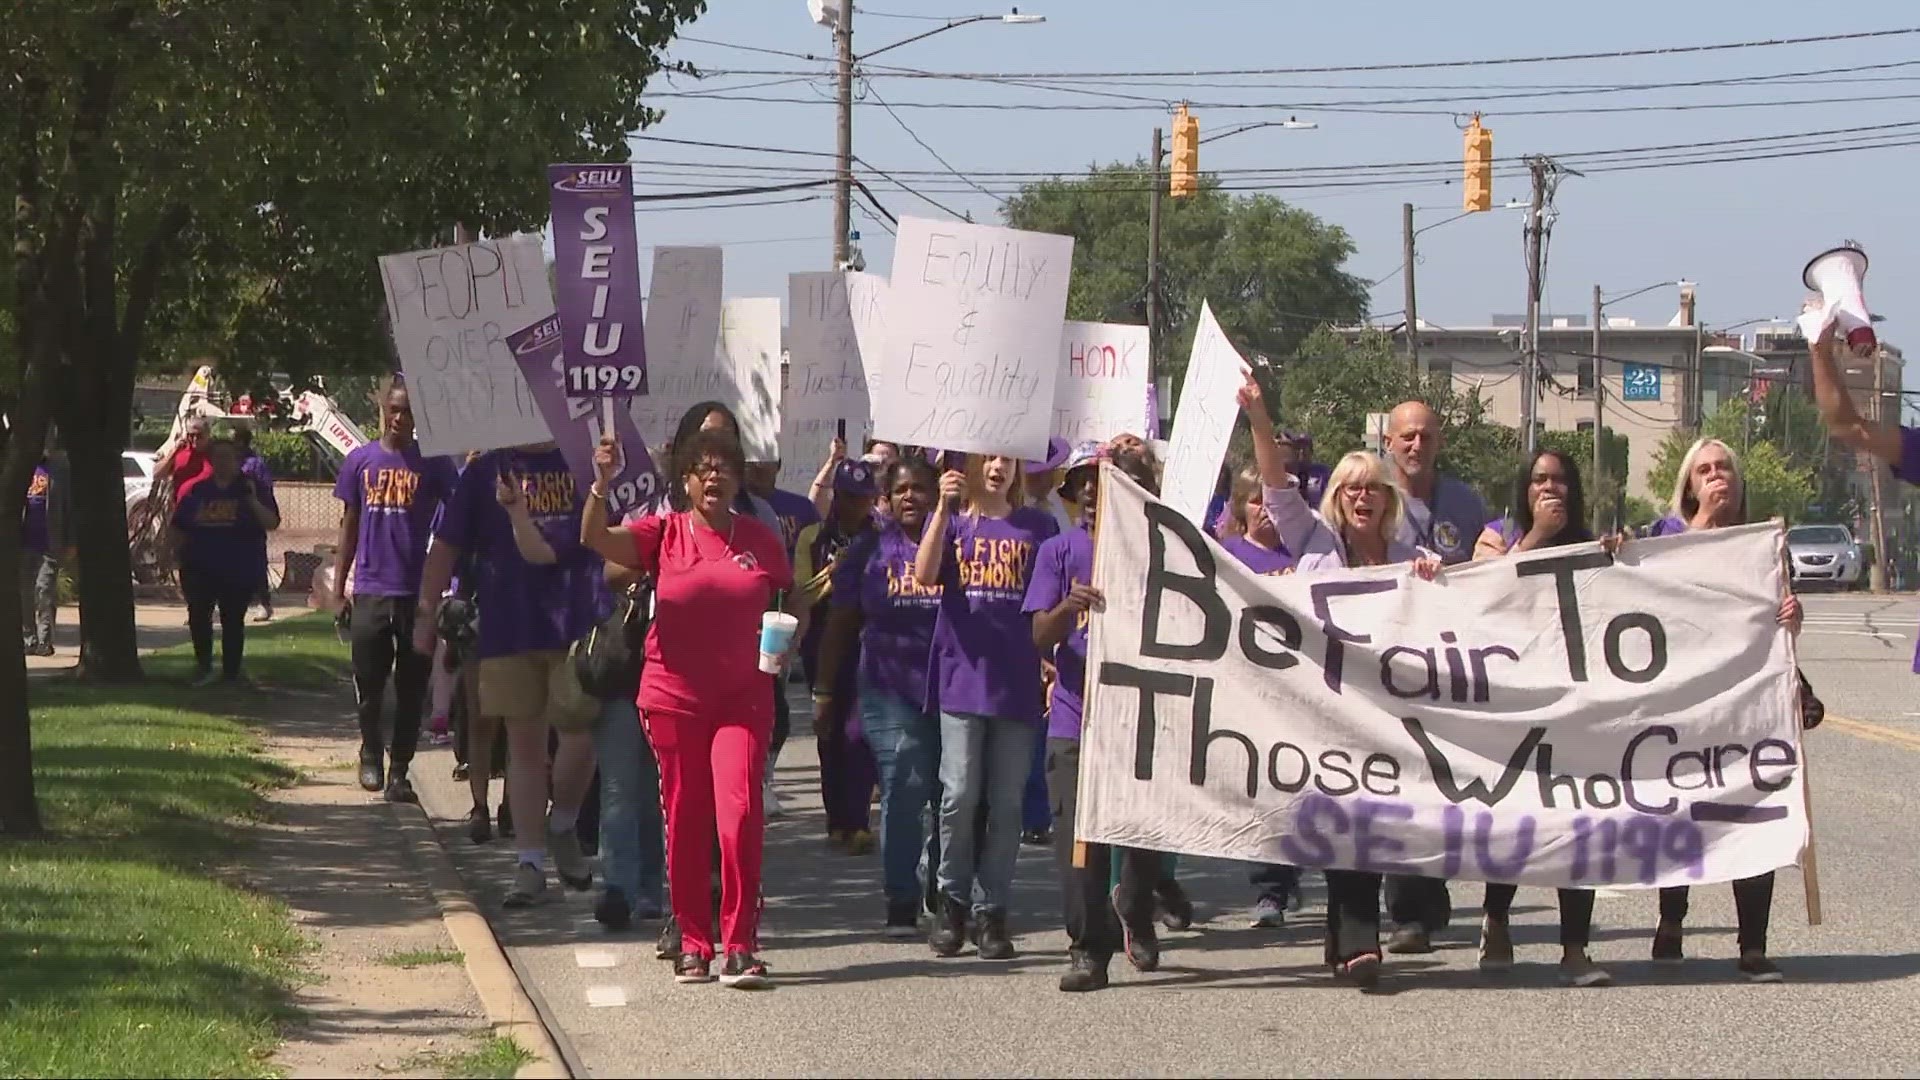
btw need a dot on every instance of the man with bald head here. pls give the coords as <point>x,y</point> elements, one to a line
<point>1443,515</point>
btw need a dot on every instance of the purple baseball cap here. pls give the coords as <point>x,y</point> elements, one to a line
<point>1058,450</point>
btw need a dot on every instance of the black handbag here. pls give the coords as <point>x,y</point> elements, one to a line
<point>1812,709</point>
<point>608,660</point>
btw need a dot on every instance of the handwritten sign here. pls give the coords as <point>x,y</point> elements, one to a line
<point>974,315</point>
<point>683,339</point>
<point>1203,423</point>
<point>830,316</point>
<point>1557,718</point>
<point>1103,382</point>
<point>450,310</point>
<point>596,261</point>
<point>749,363</point>
<point>577,423</point>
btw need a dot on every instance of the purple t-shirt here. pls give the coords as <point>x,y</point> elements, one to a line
<point>524,607</point>
<point>256,466</point>
<point>1256,558</point>
<point>1064,561</point>
<point>984,660</point>
<point>33,518</point>
<point>794,512</point>
<point>225,543</point>
<point>398,493</point>
<point>897,614</point>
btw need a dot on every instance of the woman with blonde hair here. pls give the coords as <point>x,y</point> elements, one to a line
<point>979,546</point>
<point>1358,524</point>
<point>1709,492</point>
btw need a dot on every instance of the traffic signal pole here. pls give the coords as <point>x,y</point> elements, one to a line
<point>1153,280</point>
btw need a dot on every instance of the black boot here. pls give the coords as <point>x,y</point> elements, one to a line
<point>399,788</point>
<point>949,928</point>
<point>1085,972</point>
<point>373,772</point>
<point>993,940</point>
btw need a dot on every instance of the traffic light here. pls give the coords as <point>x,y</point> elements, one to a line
<point>1186,155</point>
<point>1479,164</point>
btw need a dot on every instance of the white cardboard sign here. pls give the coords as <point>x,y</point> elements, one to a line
<point>974,316</point>
<point>450,310</point>
<point>683,315</point>
<point>830,317</point>
<point>1102,383</point>
<point>1203,423</point>
<point>750,363</point>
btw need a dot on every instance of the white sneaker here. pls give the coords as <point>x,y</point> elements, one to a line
<point>529,885</point>
<point>770,800</point>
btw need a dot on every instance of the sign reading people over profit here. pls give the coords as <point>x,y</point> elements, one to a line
<point>1558,718</point>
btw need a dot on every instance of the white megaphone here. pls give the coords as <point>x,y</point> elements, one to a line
<point>1836,275</point>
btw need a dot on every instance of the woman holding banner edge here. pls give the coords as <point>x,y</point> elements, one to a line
<point>1550,509</point>
<point>1358,524</point>
<point>1709,492</point>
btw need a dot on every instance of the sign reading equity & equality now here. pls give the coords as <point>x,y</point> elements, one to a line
<point>1558,718</point>
<point>974,315</point>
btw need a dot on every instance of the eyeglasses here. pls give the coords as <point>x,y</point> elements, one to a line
<point>713,470</point>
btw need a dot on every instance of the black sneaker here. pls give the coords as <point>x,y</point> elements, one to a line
<point>1666,944</point>
<point>1037,838</point>
<point>1142,941</point>
<point>505,819</point>
<point>903,918</point>
<point>1176,910</point>
<point>1409,940</point>
<point>1363,970</point>
<point>669,946</point>
<point>993,942</point>
<point>479,825</point>
<point>949,934</point>
<point>400,789</point>
<point>1084,972</point>
<point>745,971</point>
<point>693,968</point>
<point>42,649</point>
<point>613,911</point>
<point>373,773</point>
<point>1755,966</point>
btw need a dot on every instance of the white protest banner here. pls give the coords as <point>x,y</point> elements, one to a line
<point>1103,382</point>
<point>1557,718</point>
<point>830,315</point>
<point>973,315</point>
<point>749,364</point>
<point>450,310</point>
<point>1203,422</point>
<point>683,340</point>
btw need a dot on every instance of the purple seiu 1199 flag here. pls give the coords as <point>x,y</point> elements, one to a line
<point>577,423</point>
<point>1561,717</point>
<point>596,255</point>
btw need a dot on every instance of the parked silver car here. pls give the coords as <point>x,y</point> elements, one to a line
<point>1825,553</point>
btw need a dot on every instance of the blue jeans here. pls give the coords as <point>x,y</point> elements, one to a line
<point>982,758</point>
<point>906,749</point>
<point>633,855</point>
<point>1036,806</point>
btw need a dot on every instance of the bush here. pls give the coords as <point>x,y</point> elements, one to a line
<point>289,455</point>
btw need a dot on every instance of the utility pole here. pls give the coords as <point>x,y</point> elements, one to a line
<point>1406,271</point>
<point>843,151</point>
<point>1536,227</point>
<point>1153,274</point>
<point>1877,573</point>
<point>1599,411</point>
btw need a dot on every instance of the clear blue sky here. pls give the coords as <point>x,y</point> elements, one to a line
<point>1740,230</point>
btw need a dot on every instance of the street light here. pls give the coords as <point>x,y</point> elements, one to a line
<point>1410,304</point>
<point>1290,124</point>
<point>840,16</point>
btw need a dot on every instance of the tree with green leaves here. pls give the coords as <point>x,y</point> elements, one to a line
<point>1272,272</point>
<point>1776,485</point>
<point>221,175</point>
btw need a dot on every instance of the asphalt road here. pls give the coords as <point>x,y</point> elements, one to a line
<point>1230,1000</point>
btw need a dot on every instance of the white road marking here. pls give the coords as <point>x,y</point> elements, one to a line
<point>606,997</point>
<point>594,958</point>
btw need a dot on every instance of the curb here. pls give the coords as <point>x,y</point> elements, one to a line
<point>509,1007</point>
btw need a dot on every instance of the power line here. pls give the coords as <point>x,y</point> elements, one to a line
<point>929,200</point>
<point>748,48</point>
<point>722,193</point>
<point>875,94</point>
<point>720,206</point>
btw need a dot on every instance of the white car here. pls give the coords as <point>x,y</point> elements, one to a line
<point>1826,553</point>
<point>136,471</point>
